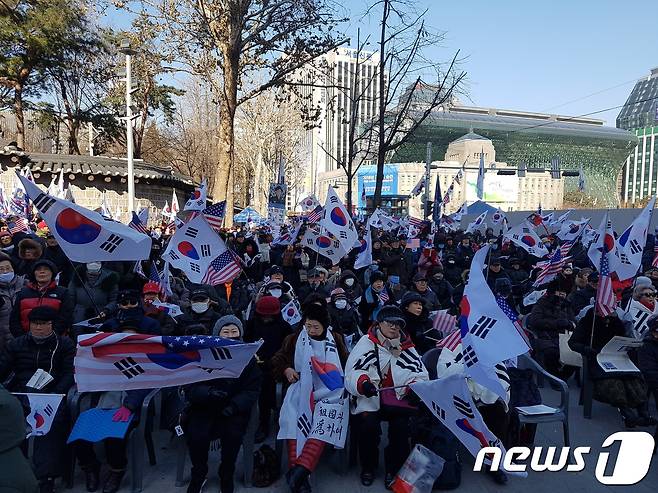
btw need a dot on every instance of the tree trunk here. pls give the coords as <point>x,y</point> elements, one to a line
<point>18,113</point>
<point>381,122</point>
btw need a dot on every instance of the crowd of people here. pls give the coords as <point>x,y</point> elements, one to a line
<point>374,326</point>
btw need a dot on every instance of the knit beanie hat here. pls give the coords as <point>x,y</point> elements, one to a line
<point>268,305</point>
<point>227,320</point>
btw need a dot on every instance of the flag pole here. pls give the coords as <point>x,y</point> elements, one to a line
<point>82,283</point>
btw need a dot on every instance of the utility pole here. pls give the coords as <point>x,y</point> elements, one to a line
<point>428,164</point>
<point>91,138</point>
<point>129,52</point>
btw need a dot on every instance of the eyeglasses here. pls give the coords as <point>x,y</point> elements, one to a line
<point>130,302</point>
<point>649,295</point>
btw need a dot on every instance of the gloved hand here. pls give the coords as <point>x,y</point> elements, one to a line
<point>368,389</point>
<point>123,414</point>
<point>217,395</point>
<point>229,410</point>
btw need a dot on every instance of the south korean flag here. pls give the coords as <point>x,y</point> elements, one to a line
<point>85,235</point>
<point>338,222</point>
<point>193,247</point>
<point>198,199</point>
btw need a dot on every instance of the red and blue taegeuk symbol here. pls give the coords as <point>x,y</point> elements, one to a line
<point>38,419</point>
<point>196,195</point>
<point>75,228</point>
<point>187,249</point>
<point>608,243</point>
<point>466,426</point>
<point>364,246</point>
<point>574,229</point>
<point>323,242</point>
<point>338,217</point>
<point>528,240</point>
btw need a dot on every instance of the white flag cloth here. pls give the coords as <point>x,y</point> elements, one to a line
<point>84,235</point>
<point>533,297</point>
<point>498,217</point>
<point>309,203</point>
<point>611,246</point>
<point>197,201</point>
<point>291,313</point>
<point>632,243</point>
<point>325,244</point>
<point>560,220</point>
<point>450,401</point>
<point>169,308</point>
<point>105,209</point>
<point>338,222</point>
<point>193,247</point>
<point>477,223</point>
<point>43,408</point>
<point>571,230</point>
<point>374,218</point>
<point>110,361</point>
<point>524,236</point>
<point>364,257</point>
<point>461,212</point>
<point>480,182</point>
<point>488,335</point>
<point>175,208</point>
<point>143,216</point>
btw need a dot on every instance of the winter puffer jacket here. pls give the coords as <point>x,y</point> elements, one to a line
<point>647,361</point>
<point>31,296</point>
<point>24,356</point>
<point>8,293</point>
<point>95,293</point>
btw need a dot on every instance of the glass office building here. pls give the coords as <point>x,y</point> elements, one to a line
<point>640,116</point>
<point>535,139</point>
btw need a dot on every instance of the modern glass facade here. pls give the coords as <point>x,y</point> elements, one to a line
<point>534,139</point>
<point>640,116</point>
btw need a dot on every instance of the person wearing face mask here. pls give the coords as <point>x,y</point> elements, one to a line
<point>314,284</point>
<point>551,316</point>
<point>204,310</point>
<point>350,284</point>
<point>93,288</point>
<point>268,325</point>
<point>41,290</point>
<point>376,296</point>
<point>383,358</point>
<point>344,317</point>
<point>42,348</point>
<point>328,352</point>
<point>56,255</point>
<point>494,271</point>
<point>10,286</point>
<point>130,310</point>
<point>219,409</point>
<point>452,270</point>
<point>441,287</point>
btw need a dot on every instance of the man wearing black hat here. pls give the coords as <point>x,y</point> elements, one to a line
<point>205,310</point>
<point>41,348</point>
<point>41,290</point>
<point>494,271</point>
<point>130,313</point>
<point>581,298</point>
<point>421,287</point>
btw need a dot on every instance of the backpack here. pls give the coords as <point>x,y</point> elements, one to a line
<point>266,467</point>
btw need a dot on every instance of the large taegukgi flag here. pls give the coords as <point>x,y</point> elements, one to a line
<point>109,361</point>
<point>85,235</point>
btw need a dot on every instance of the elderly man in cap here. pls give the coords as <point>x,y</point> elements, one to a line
<point>204,310</point>
<point>421,287</point>
<point>316,283</point>
<point>377,373</point>
<point>41,348</point>
<point>41,290</point>
<point>130,311</point>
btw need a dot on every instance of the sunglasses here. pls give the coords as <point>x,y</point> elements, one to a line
<point>649,295</point>
<point>129,302</point>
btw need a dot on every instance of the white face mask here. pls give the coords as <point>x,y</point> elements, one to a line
<point>349,282</point>
<point>276,293</point>
<point>200,307</point>
<point>341,304</point>
<point>7,276</point>
<point>94,267</point>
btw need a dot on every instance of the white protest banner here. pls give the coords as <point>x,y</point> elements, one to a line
<point>330,422</point>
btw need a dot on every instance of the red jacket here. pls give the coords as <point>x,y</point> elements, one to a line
<point>31,296</point>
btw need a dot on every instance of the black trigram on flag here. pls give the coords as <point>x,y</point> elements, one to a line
<point>482,327</point>
<point>192,232</point>
<point>330,347</point>
<point>342,234</point>
<point>640,322</point>
<point>48,410</point>
<point>43,202</point>
<point>408,362</point>
<point>634,246</point>
<point>330,252</point>
<point>333,199</point>
<point>309,241</point>
<point>470,358</point>
<point>129,367</point>
<point>440,413</point>
<point>463,407</point>
<point>304,425</point>
<point>173,255</point>
<point>205,250</point>
<point>221,353</point>
<point>111,243</point>
<point>195,267</point>
<point>624,258</point>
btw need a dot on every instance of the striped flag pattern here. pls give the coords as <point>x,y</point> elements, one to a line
<point>315,215</point>
<point>136,224</point>
<point>551,268</point>
<point>605,296</point>
<point>450,341</point>
<point>223,269</point>
<point>215,215</point>
<point>444,322</point>
<point>20,225</point>
<point>654,262</point>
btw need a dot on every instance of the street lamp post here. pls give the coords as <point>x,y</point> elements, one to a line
<point>129,52</point>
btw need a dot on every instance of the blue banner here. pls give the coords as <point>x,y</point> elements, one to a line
<point>367,176</point>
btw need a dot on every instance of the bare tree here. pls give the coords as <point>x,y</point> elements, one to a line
<point>252,45</point>
<point>406,97</point>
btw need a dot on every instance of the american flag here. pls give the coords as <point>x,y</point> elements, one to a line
<point>136,224</point>
<point>415,222</point>
<point>215,214</point>
<point>315,215</point>
<point>383,296</point>
<point>451,341</point>
<point>551,268</point>
<point>605,296</point>
<point>444,322</point>
<point>223,269</point>
<point>19,225</point>
<point>154,276</point>
<point>654,262</point>
<point>513,316</point>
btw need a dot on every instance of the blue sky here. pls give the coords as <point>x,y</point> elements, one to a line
<point>542,55</point>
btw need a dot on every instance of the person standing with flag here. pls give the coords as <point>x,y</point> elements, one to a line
<point>375,297</point>
<point>318,346</point>
<point>93,288</point>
